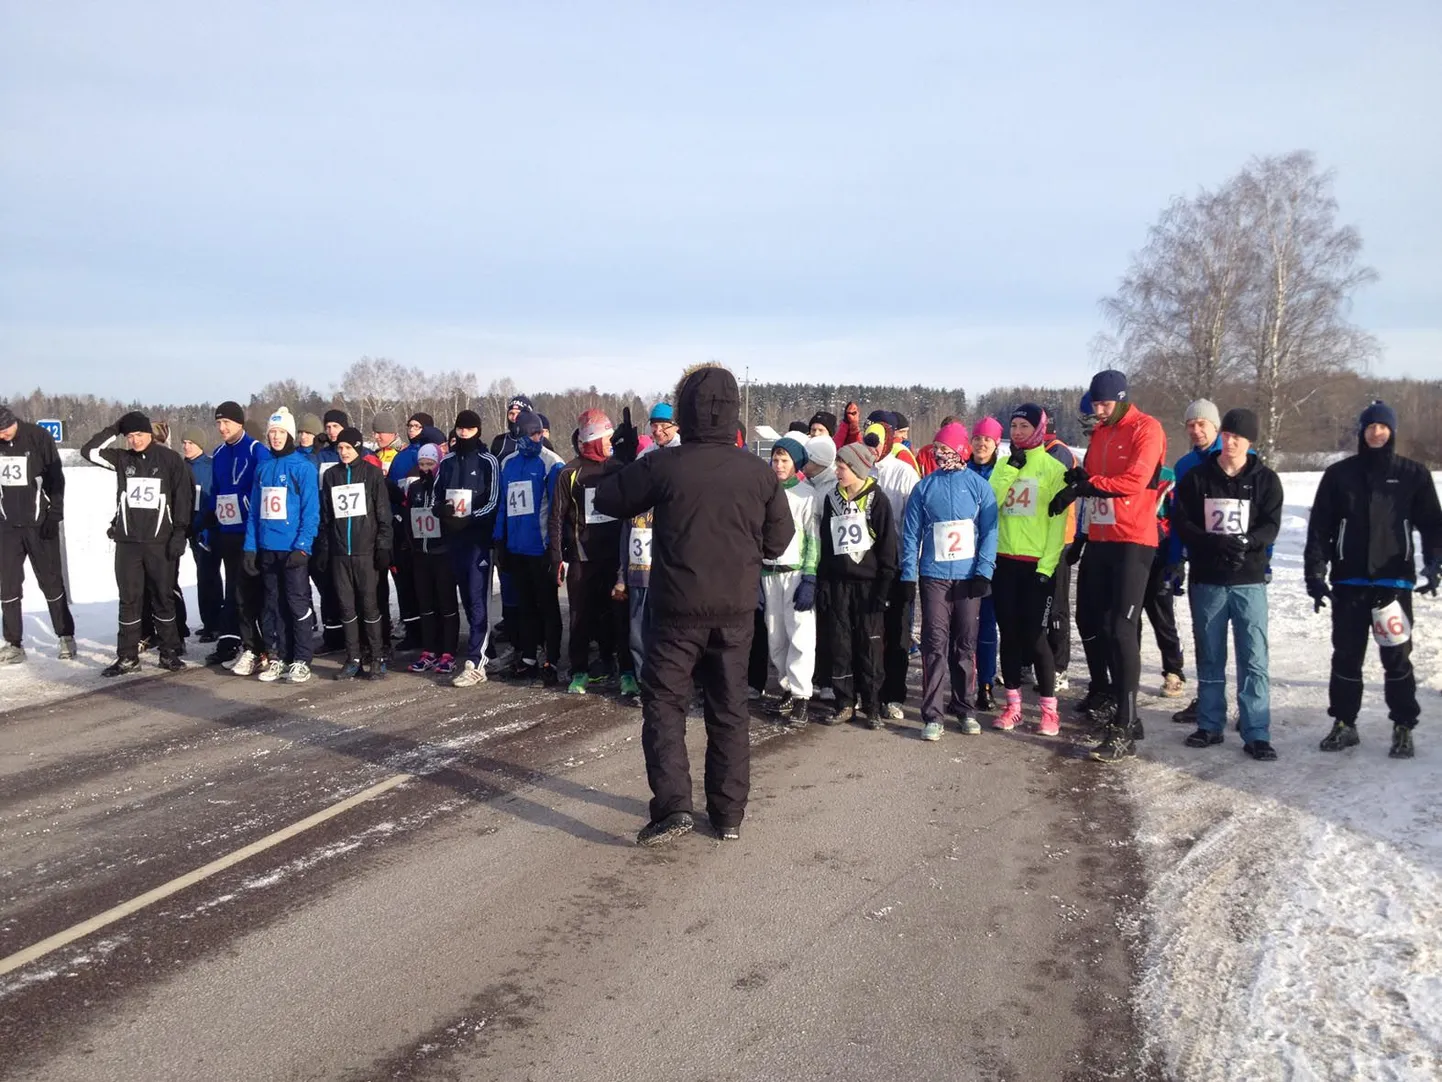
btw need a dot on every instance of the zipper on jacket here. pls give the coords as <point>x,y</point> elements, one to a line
<point>1341,534</point>
<point>1407,539</point>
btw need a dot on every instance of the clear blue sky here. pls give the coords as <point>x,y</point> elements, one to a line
<point>194,201</point>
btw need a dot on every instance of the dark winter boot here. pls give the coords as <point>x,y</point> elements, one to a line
<point>842,715</point>
<point>1104,712</point>
<point>1187,715</point>
<point>984,700</point>
<point>796,716</point>
<point>1090,701</point>
<point>349,671</point>
<point>1203,738</point>
<point>1116,745</point>
<point>1343,735</point>
<point>663,830</point>
<point>1401,743</point>
<point>172,663</point>
<point>121,667</point>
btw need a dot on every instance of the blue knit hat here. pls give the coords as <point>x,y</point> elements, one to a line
<point>1109,386</point>
<point>793,448</point>
<point>1378,413</point>
<point>662,411</point>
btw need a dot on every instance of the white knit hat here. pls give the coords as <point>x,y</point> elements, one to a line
<point>821,450</point>
<point>282,419</point>
<point>1204,409</point>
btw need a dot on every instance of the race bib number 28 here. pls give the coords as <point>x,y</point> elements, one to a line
<point>227,509</point>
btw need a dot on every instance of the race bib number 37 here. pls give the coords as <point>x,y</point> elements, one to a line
<point>348,501</point>
<point>955,540</point>
<point>14,470</point>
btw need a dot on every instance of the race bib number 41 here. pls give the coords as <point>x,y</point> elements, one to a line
<point>273,502</point>
<point>1021,498</point>
<point>1228,517</point>
<point>955,540</point>
<point>143,493</point>
<point>14,470</point>
<point>518,499</point>
<point>348,501</point>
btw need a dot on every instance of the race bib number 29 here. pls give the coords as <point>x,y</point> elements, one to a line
<point>849,534</point>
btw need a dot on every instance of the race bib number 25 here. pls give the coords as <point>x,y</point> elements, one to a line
<point>1228,517</point>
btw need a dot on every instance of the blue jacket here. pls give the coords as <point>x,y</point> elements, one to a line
<point>532,469</point>
<point>404,464</point>
<point>296,476</point>
<point>947,496</point>
<point>200,469</point>
<point>976,467</point>
<point>232,468</point>
<point>472,468</point>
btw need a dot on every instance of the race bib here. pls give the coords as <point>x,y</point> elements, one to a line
<point>849,534</point>
<point>424,524</point>
<point>1101,511</point>
<point>14,470</point>
<point>143,493</point>
<point>1229,517</point>
<point>519,498</point>
<point>460,501</point>
<point>325,466</point>
<point>1021,497</point>
<point>640,547</point>
<point>955,540</point>
<point>227,509</point>
<point>348,501</point>
<point>1390,626</point>
<point>592,515</point>
<point>273,502</point>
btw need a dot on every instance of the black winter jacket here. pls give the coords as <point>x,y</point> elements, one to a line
<point>32,484</point>
<point>718,511</point>
<point>154,492</point>
<point>1363,516</point>
<point>341,534</point>
<point>1201,528</point>
<point>576,534</point>
<point>880,563</point>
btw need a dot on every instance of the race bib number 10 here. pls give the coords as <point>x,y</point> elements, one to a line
<point>955,540</point>
<point>424,524</point>
<point>227,509</point>
<point>273,503</point>
<point>14,470</point>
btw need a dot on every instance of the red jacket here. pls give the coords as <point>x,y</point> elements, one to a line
<point>1125,460</point>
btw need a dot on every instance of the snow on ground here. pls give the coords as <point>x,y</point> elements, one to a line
<point>1292,927</point>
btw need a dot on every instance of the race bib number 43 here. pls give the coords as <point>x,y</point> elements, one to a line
<point>348,501</point>
<point>955,540</point>
<point>273,503</point>
<point>1021,498</point>
<point>1228,517</point>
<point>143,493</point>
<point>849,534</point>
<point>14,470</point>
<point>227,509</point>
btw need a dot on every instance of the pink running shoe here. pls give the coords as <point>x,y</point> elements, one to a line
<point>1009,718</point>
<point>446,665</point>
<point>1050,724</point>
<point>425,663</point>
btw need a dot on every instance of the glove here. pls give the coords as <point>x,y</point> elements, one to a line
<point>383,559</point>
<point>978,587</point>
<point>320,560</point>
<point>502,558</point>
<point>208,521</point>
<point>1432,573</point>
<point>1232,550</point>
<point>1017,458</point>
<point>50,528</point>
<point>175,547</point>
<point>560,573</point>
<point>1062,500</point>
<point>1174,577</point>
<point>446,510</point>
<point>907,591</point>
<point>625,440</point>
<point>1043,582</point>
<point>1075,549</point>
<point>297,558</point>
<point>249,564</point>
<point>1077,475</point>
<point>110,530</point>
<point>877,601</point>
<point>804,599</point>
<point>1317,590</point>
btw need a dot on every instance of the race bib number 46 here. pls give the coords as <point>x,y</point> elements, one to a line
<point>849,534</point>
<point>143,493</point>
<point>1390,626</point>
<point>227,509</point>
<point>1101,511</point>
<point>955,540</point>
<point>460,501</point>
<point>1228,517</point>
<point>518,499</point>
<point>348,501</point>
<point>1021,498</point>
<point>14,470</point>
<point>273,503</point>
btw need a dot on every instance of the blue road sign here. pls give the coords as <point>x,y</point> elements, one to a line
<point>55,428</point>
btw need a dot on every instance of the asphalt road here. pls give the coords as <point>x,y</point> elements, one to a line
<point>895,909</point>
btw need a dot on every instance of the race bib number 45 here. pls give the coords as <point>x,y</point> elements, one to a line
<point>143,493</point>
<point>14,470</point>
<point>273,502</point>
<point>849,534</point>
<point>1229,517</point>
<point>1021,498</point>
<point>348,501</point>
<point>955,540</point>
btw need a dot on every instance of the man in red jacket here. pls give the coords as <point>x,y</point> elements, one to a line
<point>1119,479</point>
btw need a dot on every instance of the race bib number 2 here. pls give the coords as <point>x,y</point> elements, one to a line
<point>955,540</point>
<point>14,470</point>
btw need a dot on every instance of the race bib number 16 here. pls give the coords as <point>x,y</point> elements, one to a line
<point>273,502</point>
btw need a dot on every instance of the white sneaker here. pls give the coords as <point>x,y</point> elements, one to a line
<point>893,711</point>
<point>826,695</point>
<point>1062,683</point>
<point>243,664</point>
<point>298,673</point>
<point>469,676</point>
<point>272,672</point>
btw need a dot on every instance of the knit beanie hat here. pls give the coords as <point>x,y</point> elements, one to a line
<point>528,423</point>
<point>858,457</point>
<point>1109,386</point>
<point>1032,414</point>
<point>821,417</point>
<point>799,426</point>
<point>429,453</point>
<point>190,435</point>
<point>425,419</point>
<point>134,421</point>
<point>337,417</point>
<point>230,411</point>
<point>898,420</point>
<point>1204,409</point>
<point>1242,422</point>
<point>881,417</point>
<point>519,401</point>
<point>351,436</point>
<point>6,417</point>
<point>545,422</point>
<point>282,419</point>
<point>793,448</point>
<point>1378,413</point>
<point>310,423</point>
<point>879,436</point>
<point>662,411</point>
<point>821,451</point>
<point>384,421</point>
<point>987,426</point>
<point>468,419</point>
<point>953,436</point>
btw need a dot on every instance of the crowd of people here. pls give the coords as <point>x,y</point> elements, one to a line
<point>692,565</point>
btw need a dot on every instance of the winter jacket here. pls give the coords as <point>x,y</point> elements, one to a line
<point>201,473</point>
<point>1176,551</point>
<point>878,563</point>
<point>1363,516</point>
<point>985,469</point>
<point>579,530</point>
<point>804,551</point>
<point>718,511</point>
<point>154,493</point>
<point>469,481</point>
<point>1068,459</point>
<point>232,468</point>
<point>528,481</point>
<point>1026,530</point>
<point>895,478</point>
<point>355,516</point>
<point>420,519</point>
<point>945,497</point>
<point>32,482</point>
<point>1209,506</point>
<point>1124,463</point>
<point>386,456</point>
<point>637,533</point>
<point>285,505</point>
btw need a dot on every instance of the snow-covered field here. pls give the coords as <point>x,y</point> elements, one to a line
<point>1292,927</point>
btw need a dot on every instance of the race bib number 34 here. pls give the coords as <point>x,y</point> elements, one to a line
<point>143,493</point>
<point>1229,517</point>
<point>348,501</point>
<point>955,540</point>
<point>273,502</point>
<point>1021,498</point>
<point>14,470</point>
<point>460,501</point>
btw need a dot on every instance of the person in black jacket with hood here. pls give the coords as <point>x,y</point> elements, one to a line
<point>32,504</point>
<point>718,512</point>
<point>1361,524</point>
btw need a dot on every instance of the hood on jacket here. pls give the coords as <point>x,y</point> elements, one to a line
<point>884,438</point>
<point>708,405</point>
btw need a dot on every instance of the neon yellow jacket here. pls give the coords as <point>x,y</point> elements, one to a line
<point>1022,495</point>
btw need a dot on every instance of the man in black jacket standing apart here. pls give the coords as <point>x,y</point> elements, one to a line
<point>718,511</point>
<point>1362,521</point>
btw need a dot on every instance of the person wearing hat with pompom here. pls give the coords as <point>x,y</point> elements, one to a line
<point>154,502</point>
<point>1363,517</point>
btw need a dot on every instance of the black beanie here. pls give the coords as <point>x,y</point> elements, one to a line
<point>1241,422</point>
<point>901,421</point>
<point>134,421</point>
<point>230,411</point>
<point>351,436</point>
<point>426,420</point>
<point>1378,413</point>
<point>468,419</point>
<point>821,417</point>
<point>337,417</point>
<point>6,417</point>
<point>798,426</point>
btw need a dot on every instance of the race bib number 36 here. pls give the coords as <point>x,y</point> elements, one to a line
<point>227,509</point>
<point>518,499</point>
<point>143,493</point>
<point>1390,626</point>
<point>849,534</point>
<point>460,500</point>
<point>1101,511</point>
<point>348,501</point>
<point>1021,498</point>
<point>955,540</point>
<point>1227,516</point>
<point>14,470</point>
<point>273,502</point>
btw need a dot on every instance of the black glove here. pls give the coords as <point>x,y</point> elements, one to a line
<point>626,441</point>
<point>906,591</point>
<point>445,510</point>
<point>250,565</point>
<point>383,559</point>
<point>978,587</point>
<point>1075,549</point>
<point>175,547</point>
<point>1174,578</point>
<point>502,558</point>
<point>1077,475</point>
<point>297,558</point>
<point>877,601</point>
<point>1017,458</point>
<point>804,599</point>
<point>208,521</point>
<point>1062,500</point>
<point>1232,550</point>
<point>320,560</point>
<point>1317,590</point>
<point>1432,573</point>
<point>110,530</point>
<point>50,528</point>
<point>1043,582</point>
